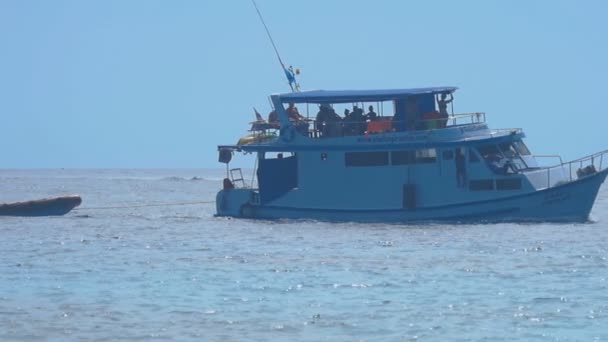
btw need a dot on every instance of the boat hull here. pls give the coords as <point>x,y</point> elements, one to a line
<point>56,206</point>
<point>570,202</point>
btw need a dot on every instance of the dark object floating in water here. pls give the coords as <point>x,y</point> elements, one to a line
<point>55,206</point>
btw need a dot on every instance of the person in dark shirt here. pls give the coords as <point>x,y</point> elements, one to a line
<point>411,114</point>
<point>461,171</point>
<point>359,123</point>
<point>371,115</point>
<point>327,122</point>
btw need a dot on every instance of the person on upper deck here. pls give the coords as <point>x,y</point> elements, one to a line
<point>347,122</point>
<point>411,113</point>
<point>359,123</point>
<point>371,115</point>
<point>353,121</point>
<point>293,113</point>
<point>327,121</point>
<point>346,114</point>
<point>298,120</point>
<point>273,119</point>
<point>442,104</point>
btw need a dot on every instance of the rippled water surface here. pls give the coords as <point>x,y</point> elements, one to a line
<point>176,272</point>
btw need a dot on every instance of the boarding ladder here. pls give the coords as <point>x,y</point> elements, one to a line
<point>234,173</point>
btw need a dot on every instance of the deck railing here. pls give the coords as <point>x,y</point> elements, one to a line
<point>385,124</point>
<point>555,156</point>
<point>467,118</point>
<point>578,168</point>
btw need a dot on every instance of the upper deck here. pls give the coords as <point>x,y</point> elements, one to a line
<point>394,118</point>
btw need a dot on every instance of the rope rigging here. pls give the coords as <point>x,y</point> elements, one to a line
<point>146,205</point>
<point>289,72</point>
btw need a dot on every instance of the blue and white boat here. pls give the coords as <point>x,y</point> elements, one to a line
<point>421,162</point>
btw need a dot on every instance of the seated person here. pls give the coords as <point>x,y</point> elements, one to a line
<point>293,113</point>
<point>498,164</point>
<point>273,119</point>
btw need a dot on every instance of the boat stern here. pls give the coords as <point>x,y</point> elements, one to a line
<point>235,202</point>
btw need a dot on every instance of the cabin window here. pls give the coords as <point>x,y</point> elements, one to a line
<point>426,156</point>
<point>521,148</point>
<point>448,155</point>
<point>488,150</point>
<point>276,155</point>
<point>508,184</point>
<point>481,185</point>
<point>366,158</point>
<point>403,157</point>
<point>508,150</point>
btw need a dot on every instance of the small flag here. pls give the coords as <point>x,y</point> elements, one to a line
<point>291,78</point>
<point>258,116</point>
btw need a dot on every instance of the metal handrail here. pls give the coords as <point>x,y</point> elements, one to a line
<point>346,126</point>
<point>502,130</point>
<point>584,162</point>
<point>476,117</point>
<point>549,156</point>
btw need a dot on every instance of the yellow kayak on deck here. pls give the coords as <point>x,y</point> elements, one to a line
<point>253,138</point>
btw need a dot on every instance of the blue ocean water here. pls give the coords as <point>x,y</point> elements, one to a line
<point>178,273</point>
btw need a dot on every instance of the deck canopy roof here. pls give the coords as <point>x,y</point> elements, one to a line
<point>350,96</point>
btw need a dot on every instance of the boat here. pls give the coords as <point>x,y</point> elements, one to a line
<point>55,206</point>
<point>414,161</point>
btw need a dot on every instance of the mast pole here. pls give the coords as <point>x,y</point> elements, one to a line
<point>288,71</point>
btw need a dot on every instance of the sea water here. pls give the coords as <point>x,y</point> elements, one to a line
<point>176,272</point>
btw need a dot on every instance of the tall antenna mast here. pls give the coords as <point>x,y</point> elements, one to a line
<point>289,73</point>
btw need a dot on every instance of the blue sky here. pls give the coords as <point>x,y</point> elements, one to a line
<point>161,83</point>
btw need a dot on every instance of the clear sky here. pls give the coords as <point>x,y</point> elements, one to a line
<point>138,83</point>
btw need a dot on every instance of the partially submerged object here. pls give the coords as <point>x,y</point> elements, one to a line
<point>55,206</point>
<point>419,163</point>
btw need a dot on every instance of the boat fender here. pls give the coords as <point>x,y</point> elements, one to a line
<point>287,133</point>
<point>247,211</point>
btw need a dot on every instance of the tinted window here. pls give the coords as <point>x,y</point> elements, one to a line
<point>403,157</point>
<point>521,148</point>
<point>481,185</point>
<point>508,184</point>
<point>366,158</point>
<point>428,155</point>
<point>487,150</point>
<point>425,156</point>
<point>508,150</point>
